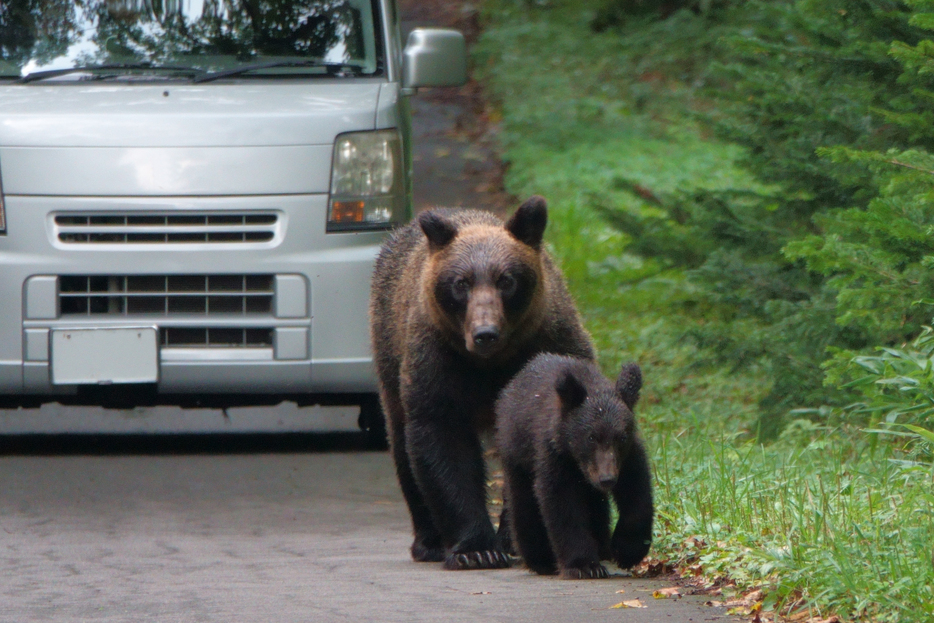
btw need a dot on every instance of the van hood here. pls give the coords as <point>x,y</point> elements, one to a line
<point>173,115</point>
<point>163,140</point>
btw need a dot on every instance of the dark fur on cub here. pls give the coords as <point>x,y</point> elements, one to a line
<point>461,302</point>
<point>568,439</point>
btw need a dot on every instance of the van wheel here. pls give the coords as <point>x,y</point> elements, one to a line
<point>372,423</point>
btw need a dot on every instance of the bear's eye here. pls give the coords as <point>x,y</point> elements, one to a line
<point>461,286</point>
<point>506,284</point>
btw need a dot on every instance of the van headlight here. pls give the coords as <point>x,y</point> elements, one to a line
<point>367,189</point>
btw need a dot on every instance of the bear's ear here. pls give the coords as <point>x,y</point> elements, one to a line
<point>439,230</point>
<point>570,390</point>
<point>528,223</point>
<point>629,383</point>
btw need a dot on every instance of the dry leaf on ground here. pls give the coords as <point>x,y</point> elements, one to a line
<point>754,596</point>
<point>665,593</point>
<point>631,603</point>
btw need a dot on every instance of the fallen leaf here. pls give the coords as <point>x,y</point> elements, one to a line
<point>756,611</point>
<point>632,603</point>
<point>482,593</point>
<point>621,591</point>
<point>665,593</point>
<point>753,596</point>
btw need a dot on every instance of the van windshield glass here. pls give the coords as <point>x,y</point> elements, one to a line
<point>143,38</point>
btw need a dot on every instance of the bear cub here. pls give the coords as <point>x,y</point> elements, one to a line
<point>567,438</point>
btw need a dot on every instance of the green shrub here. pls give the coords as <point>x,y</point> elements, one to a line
<point>896,385</point>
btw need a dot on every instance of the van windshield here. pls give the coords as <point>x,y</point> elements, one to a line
<point>146,39</point>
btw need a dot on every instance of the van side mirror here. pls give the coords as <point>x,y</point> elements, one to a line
<point>434,57</point>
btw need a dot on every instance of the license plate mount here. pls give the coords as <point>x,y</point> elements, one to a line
<point>104,356</point>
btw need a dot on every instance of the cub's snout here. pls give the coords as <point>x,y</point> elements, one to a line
<point>603,471</point>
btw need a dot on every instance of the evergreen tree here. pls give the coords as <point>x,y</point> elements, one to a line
<point>835,256</point>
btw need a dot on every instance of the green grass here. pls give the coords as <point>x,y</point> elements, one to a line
<point>836,519</point>
<point>818,517</point>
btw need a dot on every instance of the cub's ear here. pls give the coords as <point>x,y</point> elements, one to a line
<point>570,390</point>
<point>439,230</point>
<point>528,223</point>
<point>629,383</point>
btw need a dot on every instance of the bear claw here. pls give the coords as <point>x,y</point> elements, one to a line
<point>486,559</point>
<point>589,571</point>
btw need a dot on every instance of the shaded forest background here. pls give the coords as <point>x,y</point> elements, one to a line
<point>828,258</point>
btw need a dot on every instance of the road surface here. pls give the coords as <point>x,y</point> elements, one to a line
<point>294,528</point>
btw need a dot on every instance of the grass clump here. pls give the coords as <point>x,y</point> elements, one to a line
<point>609,127</point>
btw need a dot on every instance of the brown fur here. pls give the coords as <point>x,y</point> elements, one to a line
<point>443,353</point>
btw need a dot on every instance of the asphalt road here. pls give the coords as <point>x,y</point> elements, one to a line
<point>287,528</point>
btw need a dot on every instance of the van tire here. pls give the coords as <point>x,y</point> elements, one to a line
<point>372,423</point>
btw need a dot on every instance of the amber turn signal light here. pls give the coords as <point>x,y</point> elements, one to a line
<point>347,211</point>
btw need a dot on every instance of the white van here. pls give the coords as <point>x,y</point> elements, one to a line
<point>194,193</point>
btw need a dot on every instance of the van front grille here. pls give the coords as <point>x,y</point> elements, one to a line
<point>165,295</point>
<point>164,228</point>
<point>214,337</point>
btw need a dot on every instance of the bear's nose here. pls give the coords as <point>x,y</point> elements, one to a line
<point>607,482</point>
<point>485,337</point>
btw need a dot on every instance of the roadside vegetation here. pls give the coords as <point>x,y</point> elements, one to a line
<point>742,199</point>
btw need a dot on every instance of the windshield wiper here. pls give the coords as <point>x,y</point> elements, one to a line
<point>53,73</point>
<point>333,69</point>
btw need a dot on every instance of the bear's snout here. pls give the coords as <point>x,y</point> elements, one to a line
<point>484,321</point>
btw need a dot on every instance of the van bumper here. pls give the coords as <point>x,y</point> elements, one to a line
<point>301,325</point>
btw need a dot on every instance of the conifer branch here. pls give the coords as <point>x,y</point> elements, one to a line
<point>909,166</point>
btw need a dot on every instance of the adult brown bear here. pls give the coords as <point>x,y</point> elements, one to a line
<point>461,302</point>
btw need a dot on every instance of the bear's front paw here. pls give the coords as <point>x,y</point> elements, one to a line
<point>485,559</point>
<point>629,553</point>
<point>423,552</point>
<point>586,571</point>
